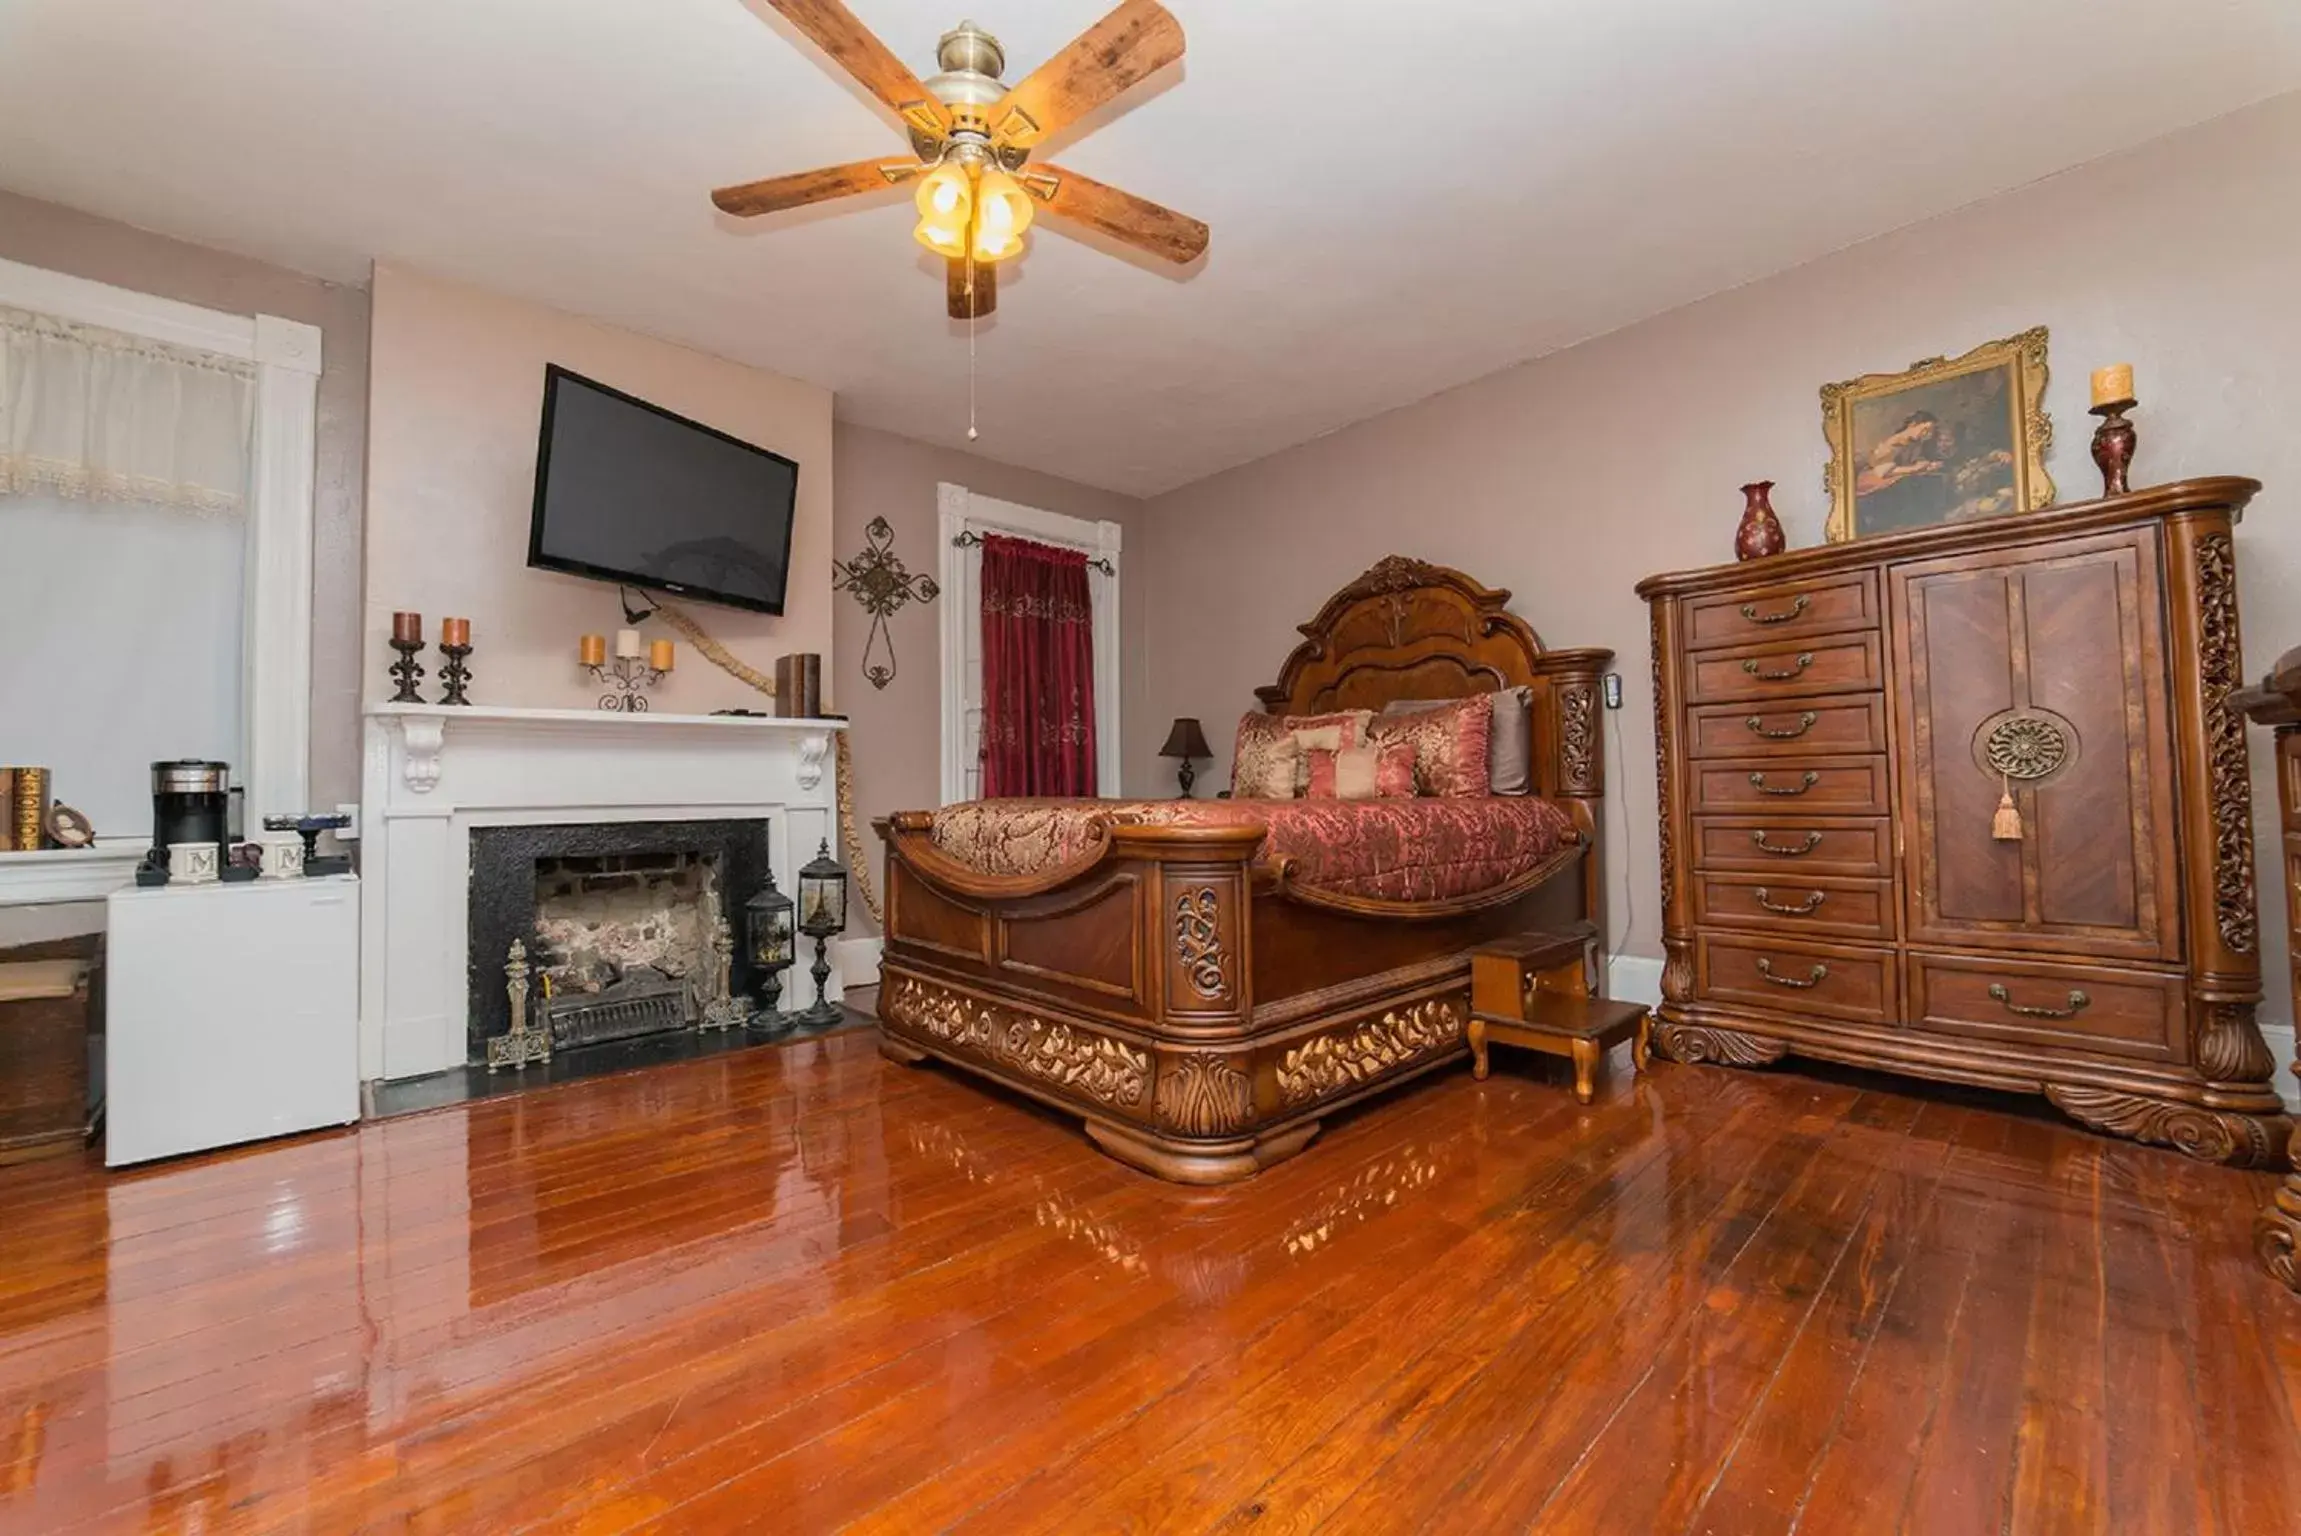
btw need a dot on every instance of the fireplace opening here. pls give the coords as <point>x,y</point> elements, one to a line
<point>607,931</point>
<point>624,944</point>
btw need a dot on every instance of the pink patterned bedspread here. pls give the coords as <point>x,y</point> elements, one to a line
<point>1397,850</point>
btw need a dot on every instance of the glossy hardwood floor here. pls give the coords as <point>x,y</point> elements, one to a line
<point>805,1290</point>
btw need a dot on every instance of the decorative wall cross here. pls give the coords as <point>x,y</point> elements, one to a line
<point>877,579</point>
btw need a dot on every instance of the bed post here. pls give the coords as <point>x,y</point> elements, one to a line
<point>1570,757</point>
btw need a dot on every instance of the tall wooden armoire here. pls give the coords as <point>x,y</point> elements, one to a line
<point>1971,803</point>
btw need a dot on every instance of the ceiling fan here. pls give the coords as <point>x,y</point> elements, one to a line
<point>973,135</point>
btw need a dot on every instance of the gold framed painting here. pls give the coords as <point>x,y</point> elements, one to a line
<point>1946,440</point>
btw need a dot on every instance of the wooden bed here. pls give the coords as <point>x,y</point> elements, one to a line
<point>1197,1009</point>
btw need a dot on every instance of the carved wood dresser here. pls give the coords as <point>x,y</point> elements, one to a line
<point>1971,802</point>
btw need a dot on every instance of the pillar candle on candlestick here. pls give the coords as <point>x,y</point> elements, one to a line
<point>627,647</point>
<point>659,655</point>
<point>455,631</point>
<point>591,650</point>
<point>2113,384</point>
<point>407,628</point>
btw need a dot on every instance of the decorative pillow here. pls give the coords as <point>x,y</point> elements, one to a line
<point>1372,772</point>
<point>1509,744</point>
<point>1265,761</point>
<point>1449,745</point>
<point>1254,773</point>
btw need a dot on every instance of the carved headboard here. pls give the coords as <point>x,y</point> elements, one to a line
<point>1410,630</point>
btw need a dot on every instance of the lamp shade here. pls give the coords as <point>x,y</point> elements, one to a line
<point>1184,739</point>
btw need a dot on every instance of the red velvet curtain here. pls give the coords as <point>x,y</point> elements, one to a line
<point>1038,670</point>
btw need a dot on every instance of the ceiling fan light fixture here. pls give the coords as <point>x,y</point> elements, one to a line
<point>1002,213</point>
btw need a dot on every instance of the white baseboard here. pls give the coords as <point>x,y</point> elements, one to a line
<point>857,961</point>
<point>2280,1038</point>
<point>1634,979</point>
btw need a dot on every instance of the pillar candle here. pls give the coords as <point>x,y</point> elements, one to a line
<point>627,645</point>
<point>2113,384</point>
<point>659,656</point>
<point>591,650</point>
<point>455,631</point>
<point>407,628</point>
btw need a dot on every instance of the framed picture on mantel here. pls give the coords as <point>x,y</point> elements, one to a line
<point>1946,440</point>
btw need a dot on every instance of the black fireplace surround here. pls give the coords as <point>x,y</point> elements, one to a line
<point>503,861</point>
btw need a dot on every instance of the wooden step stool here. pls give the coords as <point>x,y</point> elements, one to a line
<point>1535,990</point>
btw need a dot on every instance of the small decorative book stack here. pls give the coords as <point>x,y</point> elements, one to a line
<point>799,685</point>
<point>23,809</point>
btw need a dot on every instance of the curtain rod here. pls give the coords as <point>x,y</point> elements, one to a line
<point>970,538</point>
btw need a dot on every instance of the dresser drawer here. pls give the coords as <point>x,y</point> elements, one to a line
<point>1789,847</point>
<point>1787,669</point>
<point>2044,1003</point>
<point>1838,981</point>
<point>1794,905</point>
<point>1791,727</point>
<point>1821,786</point>
<point>1783,610</point>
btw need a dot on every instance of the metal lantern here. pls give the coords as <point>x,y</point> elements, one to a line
<point>822,913</point>
<point>769,946</point>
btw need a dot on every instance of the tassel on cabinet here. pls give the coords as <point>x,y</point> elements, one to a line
<point>2005,826</point>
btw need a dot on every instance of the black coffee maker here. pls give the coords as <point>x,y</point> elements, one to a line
<point>191,803</point>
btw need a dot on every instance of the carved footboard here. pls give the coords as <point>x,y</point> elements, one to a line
<point>1198,1015</point>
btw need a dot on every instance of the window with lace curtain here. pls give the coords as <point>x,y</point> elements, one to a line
<point>125,468</point>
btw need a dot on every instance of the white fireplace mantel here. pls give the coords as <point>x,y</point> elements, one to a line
<point>433,772</point>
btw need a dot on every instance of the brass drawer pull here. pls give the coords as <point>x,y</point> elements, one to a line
<point>1813,900</point>
<point>1813,841</point>
<point>1758,783</point>
<point>1805,660</point>
<point>2078,1002</point>
<point>1814,977</point>
<point>1805,723</point>
<point>1750,612</point>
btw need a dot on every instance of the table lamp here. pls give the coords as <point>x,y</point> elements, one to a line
<point>1185,740</point>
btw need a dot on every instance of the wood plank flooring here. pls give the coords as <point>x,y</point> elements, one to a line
<point>806,1290</point>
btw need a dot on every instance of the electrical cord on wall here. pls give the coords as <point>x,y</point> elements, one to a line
<point>1629,886</point>
<point>858,861</point>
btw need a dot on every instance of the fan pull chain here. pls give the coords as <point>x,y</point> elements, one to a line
<point>973,314</point>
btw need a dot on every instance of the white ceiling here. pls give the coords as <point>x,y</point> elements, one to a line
<point>1404,195</point>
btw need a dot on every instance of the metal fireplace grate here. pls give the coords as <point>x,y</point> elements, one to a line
<point>647,1008</point>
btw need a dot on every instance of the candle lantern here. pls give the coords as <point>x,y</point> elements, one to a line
<point>822,913</point>
<point>769,946</point>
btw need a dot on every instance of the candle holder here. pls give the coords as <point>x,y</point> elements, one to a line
<point>406,670</point>
<point>2113,443</point>
<point>626,677</point>
<point>455,674</point>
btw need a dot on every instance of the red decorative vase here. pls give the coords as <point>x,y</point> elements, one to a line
<point>1760,534</point>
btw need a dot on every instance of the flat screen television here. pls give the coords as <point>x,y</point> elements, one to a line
<point>629,492</point>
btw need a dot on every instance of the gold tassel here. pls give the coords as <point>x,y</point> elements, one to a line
<point>2005,826</point>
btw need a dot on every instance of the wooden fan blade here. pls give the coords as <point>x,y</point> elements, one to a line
<point>962,301</point>
<point>1138,39</point>
<point>857,50</point>
<point>1136,221</point>
<point>777,193</point>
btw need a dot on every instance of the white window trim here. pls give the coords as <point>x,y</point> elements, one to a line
<point>959,510</point>
<point>277,633</point>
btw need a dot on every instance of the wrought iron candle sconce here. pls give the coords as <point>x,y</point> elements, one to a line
<point>627,679</point>
<point>407,671</point>
<point>455,675</point>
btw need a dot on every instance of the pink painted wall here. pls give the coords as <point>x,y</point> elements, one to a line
<point>897,729</point>
<point>455,402</point>
<point>1568,478</point>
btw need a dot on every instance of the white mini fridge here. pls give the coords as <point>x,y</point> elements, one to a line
<point>232,1014</point>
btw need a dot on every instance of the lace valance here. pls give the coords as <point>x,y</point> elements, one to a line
<point>98,415</point>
